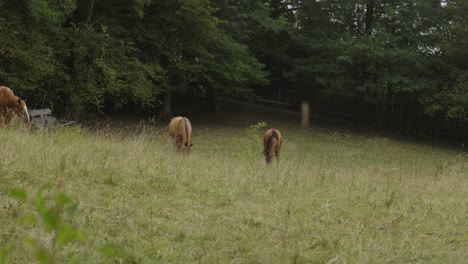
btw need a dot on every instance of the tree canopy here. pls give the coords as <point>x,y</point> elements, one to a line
<point>95,55</point>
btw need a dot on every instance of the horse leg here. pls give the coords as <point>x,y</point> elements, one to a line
<point>178,142</point>
<point>187,152</point>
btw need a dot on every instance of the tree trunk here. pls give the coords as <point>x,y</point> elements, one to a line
<point>358,19</point>
<point>167,112</point>
<point>275,8</point>
<point>381,114</point>
<point>279,94</point>
<point>212,100</point>
<point>369,16</point>
<point>90,11</point>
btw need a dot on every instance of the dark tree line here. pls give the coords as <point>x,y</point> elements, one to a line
<point>387,57</point>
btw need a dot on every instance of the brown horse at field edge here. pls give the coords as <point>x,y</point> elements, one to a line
<point>180,130</point>
<point>272,143</point>
<point>11,105</point>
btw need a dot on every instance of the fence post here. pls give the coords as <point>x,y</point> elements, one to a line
<point>305,114</point>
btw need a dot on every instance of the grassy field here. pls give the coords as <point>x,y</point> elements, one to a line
<point>336,197</point>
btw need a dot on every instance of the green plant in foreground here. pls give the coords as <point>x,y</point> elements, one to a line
<point>248,145</point>
<point>253,131</point>
<point>55,218</point>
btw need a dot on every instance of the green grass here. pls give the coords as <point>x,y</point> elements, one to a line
<point>334,198</point>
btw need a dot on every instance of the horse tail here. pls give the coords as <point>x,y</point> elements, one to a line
<point>271,144</point>
<point>185,132</point>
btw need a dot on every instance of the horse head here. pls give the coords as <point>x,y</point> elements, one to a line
<point>188,147</point>
<point>21,110</point>
<point>12,106</point>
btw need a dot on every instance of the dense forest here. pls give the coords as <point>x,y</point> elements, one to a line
<point>399,63</point>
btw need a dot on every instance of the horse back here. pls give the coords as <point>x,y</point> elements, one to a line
<point>7,97</point>
<point>174,126</point>
<point>272,135</point>
<point>181,126</point>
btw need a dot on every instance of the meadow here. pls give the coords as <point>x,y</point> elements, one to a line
<point>336,196</point>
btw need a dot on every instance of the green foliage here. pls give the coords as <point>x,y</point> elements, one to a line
<point>382,54</point>
<point>230,67</point>
<point>250,145</point>
<point>254,130</point>
<point>111,250</point>
<point>92,56</point>
<point>62,53</point>
<point>51,12</point>
<point>104,69</point>
<point>263,28</point>
<point>18,194</point>
<point>55,217</point>
<point>4,254</point>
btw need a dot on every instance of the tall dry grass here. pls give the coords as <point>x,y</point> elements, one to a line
<point>334,198</point>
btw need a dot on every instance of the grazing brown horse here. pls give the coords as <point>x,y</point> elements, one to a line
<point>272,142</point>
<point>180,130</point>
<point>11,105</point>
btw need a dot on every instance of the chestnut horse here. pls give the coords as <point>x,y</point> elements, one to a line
<point>11,105</point>
<point>272,142</point>
<point>180,130</point>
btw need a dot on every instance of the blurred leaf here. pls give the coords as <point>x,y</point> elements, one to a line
<point>4,254</point>
<point>52,219</point>
<point>40,203</point>
<point>111,250</point>
<point>18,193</point>
<point>65,234</point>
<point>62,199</point>
<point>43,256</point>
<point>27,219</point>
